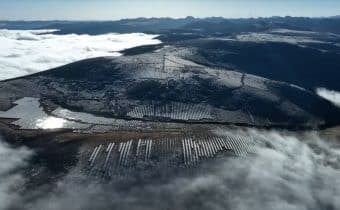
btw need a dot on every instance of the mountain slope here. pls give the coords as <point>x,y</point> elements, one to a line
<point>162,86</point>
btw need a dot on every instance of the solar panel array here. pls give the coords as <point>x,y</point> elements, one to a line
<point>118,160</point>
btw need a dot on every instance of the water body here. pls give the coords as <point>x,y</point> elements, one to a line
<point>30,115</point>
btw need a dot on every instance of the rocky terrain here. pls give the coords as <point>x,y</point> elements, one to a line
<point>167,86</point>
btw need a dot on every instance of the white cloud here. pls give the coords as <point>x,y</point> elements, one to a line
<point>24,52</point>
<point>12,159</point>
<point>289,172</point>
<point>330,95</point>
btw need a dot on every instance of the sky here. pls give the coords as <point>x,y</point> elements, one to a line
<point>117,9</point>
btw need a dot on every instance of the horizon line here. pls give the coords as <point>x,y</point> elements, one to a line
<point>165,17</point>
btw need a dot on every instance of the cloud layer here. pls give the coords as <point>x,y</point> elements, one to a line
<point>330,95</point>
<point>24,52</point>
<point>289,172</point>
<point>12,159</point>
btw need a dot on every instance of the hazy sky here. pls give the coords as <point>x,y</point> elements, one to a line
<point>116,9</point>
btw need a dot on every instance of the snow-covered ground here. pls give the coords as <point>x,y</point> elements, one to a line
<point>282,38</point>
